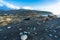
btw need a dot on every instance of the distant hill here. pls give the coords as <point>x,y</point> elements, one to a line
<point>24,12</point>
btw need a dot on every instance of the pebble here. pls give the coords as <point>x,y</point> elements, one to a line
<point>20,29</point>
<point>50,35</point>
<point>21,33</point>
<point>35,33</point>
<point>25,32</point>
<point>34,28</point>
<point>9,27</point>
<point>54,30</point>
<point>58,27</point>
<point>38,23</point>
<point>55,36</point>
<point>5,37</point>
<point>24,37</point>
<point>1,29</point>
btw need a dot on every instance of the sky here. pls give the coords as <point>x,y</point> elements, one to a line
<point>44,5</point>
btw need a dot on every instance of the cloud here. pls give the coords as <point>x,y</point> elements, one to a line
<point>9,5</point>
<point>55,8</point>
<point>12,6</point>
<point>27,7</point>
<point>1,5</point>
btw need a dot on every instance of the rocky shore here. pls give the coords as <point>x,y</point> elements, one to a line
<point>34,29</point>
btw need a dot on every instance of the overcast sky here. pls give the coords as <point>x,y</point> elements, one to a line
<point>46,5</point>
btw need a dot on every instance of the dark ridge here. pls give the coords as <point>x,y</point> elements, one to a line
<point>24,12</point>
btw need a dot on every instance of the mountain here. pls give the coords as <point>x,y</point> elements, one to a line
<point>24,12</point>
